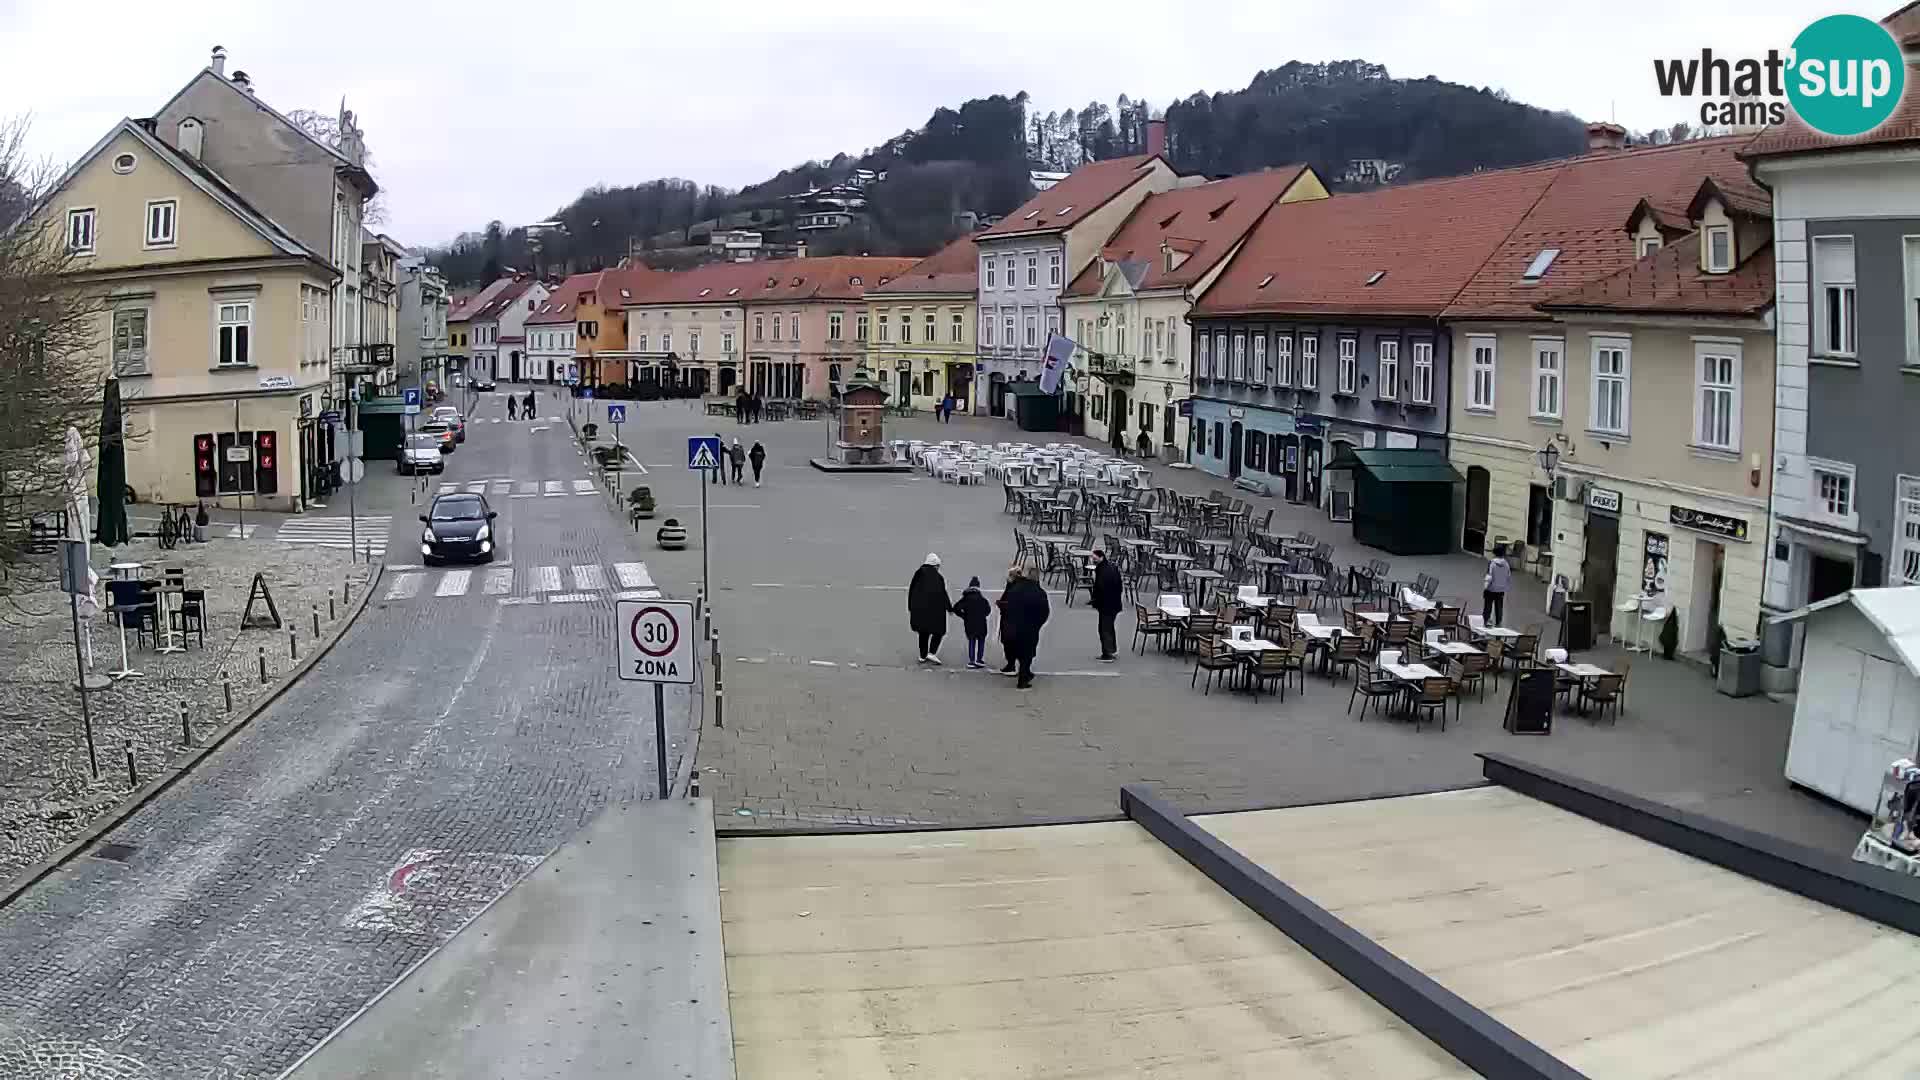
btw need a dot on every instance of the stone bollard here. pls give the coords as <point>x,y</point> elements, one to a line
<point>263,665</point>
<point>226,688</point>
<point>186,730</point>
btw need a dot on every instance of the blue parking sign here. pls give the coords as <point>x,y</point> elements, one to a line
<point>703,452</point>
<point>616,414</point>
<point>410,395</point>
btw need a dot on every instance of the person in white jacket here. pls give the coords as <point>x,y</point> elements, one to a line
<point>1493,597</point>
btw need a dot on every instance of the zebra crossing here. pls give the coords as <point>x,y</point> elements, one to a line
<point>370,530</point>
<point>511,585</point>
<point>502,488</point>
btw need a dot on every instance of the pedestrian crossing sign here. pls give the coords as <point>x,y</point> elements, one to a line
<point>703,452</point>
<point>616,414</point>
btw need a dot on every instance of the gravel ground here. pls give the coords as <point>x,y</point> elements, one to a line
<point>47,795</point>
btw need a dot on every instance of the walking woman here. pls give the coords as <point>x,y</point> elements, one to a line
<point>757,457</point>
<point>928,607</point>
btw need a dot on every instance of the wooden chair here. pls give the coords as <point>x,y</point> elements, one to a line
<point>1213,657</point>
<point>1396,634</point>
<point>1431,699</point>
<point>1151,625</point>
<point>1345,656</point>
<point>189,616</point>
<point>1295,658</point>
<point>1604,691</point>
<point>1446,617</point>
<point>1374,687</point>
<point>1520,649</point>
<point>1270,666</point>
<point>1472,672</point>
<point>1496,655</point>
<point>1626,669</point>
<point>1201,625</point>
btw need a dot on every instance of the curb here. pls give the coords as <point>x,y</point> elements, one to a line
<point>32,875</point>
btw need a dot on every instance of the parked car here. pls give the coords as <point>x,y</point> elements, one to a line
<point>421,453</point>
<point>441,430</point>
<point>457,527</point>
<point>450,416</point>
<point>481,381</point>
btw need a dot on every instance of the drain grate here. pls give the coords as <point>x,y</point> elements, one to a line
<point>115,852</point>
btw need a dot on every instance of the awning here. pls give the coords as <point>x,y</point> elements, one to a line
<point>1818,531</point>
<point>1398,466</point>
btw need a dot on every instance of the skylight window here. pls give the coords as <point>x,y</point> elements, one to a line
<point>797,281</point>
<point>855,279</point>
<point>1214,215</point>
<point>735,291</point>
<point>704,292</point>
<point>1374,278</point>
<point>1030,215</point>
<point>1167,222</point>
<point>1063,211</point>
<point>1265,281</point>
<point>1537,269</point>
<point>625,295</point>
<point>771,282</point>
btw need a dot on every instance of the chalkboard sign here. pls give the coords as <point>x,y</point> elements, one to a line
<point>1530,703</point>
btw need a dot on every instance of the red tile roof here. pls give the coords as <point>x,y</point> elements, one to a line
<point>1904,25</point>
<point>622,284</point>
<point>1670,282</point>
<point>1795,137</point>
<point>563,303</point>
<point>837,277</point>
<point>464,309</point>
<point>1066,203</point>
<point>953,269</point>
<point>1581,214</point>
<point>1429,238</point>
<point>495,307</point>
<point>1204,222</point>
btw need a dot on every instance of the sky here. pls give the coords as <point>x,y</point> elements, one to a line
<point>484,110</point>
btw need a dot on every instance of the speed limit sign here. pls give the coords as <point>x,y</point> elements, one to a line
<point>655,640</point>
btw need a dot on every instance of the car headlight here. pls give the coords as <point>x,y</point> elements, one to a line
<point>426,536</point>
<point>485,533</point>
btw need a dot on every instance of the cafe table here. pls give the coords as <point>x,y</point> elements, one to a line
<point>1453,648</point>
<point>1268,564</point>
<point>1249,649</point>
<point>1202,579</point>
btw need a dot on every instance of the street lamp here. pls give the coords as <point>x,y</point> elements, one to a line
<point>1549,457</point>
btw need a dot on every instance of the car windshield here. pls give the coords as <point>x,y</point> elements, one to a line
<point>423,442</point>
<point>463,508</point>
<point>436,427</point>
<point>446,413</point>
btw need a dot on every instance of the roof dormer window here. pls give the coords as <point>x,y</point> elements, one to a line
<point>704,292</point>
<point>855,279</point>
<point>1030,215</point>
<point>735,291</point>
<point>1648,245</point>
<point>1719,245</point>
<point>1537,269</point>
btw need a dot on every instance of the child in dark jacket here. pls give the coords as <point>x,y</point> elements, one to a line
<point>973,609</point>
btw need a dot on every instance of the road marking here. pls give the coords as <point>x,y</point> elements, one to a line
<point>493,420</point>
<point>500,487</point>
<point>718,506</point>
<point>553,488</point>
<point>509,600</point>
<point>633,575</point>
<point>394,568</point>
<point>823,663</point>
<point>583,487</point>
<point>477,487</point>
<point>641,594</point>
<point>886,588</point>
<point>768,585</point>
<point>534,495</point>
<point>538,427</point>
<point>546,579</point>
<point>570,598</point>
<point>405,586</point>
<point>588,577</point>
<point>553,419</point>
<point>454,583</point>
<point>635,462</point>
<point>497,582</point>
<point>527,487</point>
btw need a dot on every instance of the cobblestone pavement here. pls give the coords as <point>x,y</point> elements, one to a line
<point>47,791</point>
<point>422,766</point>
<point>831,721</point>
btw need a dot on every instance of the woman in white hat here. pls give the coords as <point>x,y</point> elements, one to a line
<point>928,607</point>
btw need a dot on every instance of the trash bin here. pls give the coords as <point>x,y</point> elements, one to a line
<point>1739,667</point>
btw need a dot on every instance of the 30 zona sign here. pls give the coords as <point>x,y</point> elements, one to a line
<point>655,640</point>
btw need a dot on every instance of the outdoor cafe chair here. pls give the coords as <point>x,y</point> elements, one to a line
<point>1431,700</point>
<point>1472,672</point>
<point>190,615</point>
<point>1604,691</point>
<point>1212,656</point>
<point>1375,686</point>
<point>1268,666</point>
<point>1520,649</point>
<point>1345,655</point>
<point>1151,625</point>
<point>1200,626</point>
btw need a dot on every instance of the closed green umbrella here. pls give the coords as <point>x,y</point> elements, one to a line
<point>112,482</point>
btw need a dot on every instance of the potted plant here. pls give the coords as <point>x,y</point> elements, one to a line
<point>200,522</point>
<point>1669,635</point>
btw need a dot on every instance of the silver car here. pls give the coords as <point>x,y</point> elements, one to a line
<point>421,453</point>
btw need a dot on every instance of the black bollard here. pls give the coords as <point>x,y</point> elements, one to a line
<point>133,774</point>
<point>293,646</point>
<point>693,787</point>
<point>226,687</point>
<point>186,730</point>
<point>316,622</point>
<point>719,711</point>
<point>331,613</point>
<point>263,665</point>
<point>346,589</point>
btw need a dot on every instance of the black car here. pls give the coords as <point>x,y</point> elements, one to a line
<point>458,527</point>
<point>482,383</point>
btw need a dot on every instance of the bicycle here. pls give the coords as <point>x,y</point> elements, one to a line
<point>176,525</point>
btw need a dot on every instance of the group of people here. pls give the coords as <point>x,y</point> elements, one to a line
<point>531,405</point>
<point>1023,609</point>
<point>746,408</point>
<point>736,458</point>
<point>943,409</point>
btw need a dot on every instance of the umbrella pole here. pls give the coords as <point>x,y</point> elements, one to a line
<point>86,712</point>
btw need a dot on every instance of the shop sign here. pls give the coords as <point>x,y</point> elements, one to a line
<point>1653,565</point>
<point>306,406</point>
<point>1307,425</point>
<point>1236,414</point>
<point>903,365</point>
<point>276,382</point>
<point>1686,517</point>
<point>1186,407</point>
<point>1607,499</point>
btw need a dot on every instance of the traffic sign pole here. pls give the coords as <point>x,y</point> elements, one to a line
<point>706,562</point>
<point>660,733</point>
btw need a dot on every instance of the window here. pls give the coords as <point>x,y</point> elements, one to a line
<point>1006,324</point>
<point>1913,300</point>
<point>726,342</point>
<point>1239,357</point>
<point>125,163</point>
<point>693,343</point>
<point>1033,270</point>
<point>1221,366</point>
<point>1347,374</point>
<point>1053,268</point>
<point>992,275</point>
<point>1283,360</point>
<point>1200,436</point>
<point>130,341</point>
<point>1012,280</point>
<point>1053,323</point>
<point>1203,368</point>
<point>833,326</point>
<point>1830,491</point>
<point>1906,516</point>
<point>1388,385</point>
<point>80,231</point>
<point>1649,245</point>
<point>1541,263</point>
<point>1612,364</point>
<point>1219,440</point>
<point>1033,329</point>
<point>1719,249</point>
<point>906,328</point>
<point>986,330</point>
<point>1160,336</point>
<point>640,343</point>
<point>1258,373</point>
<point>1834,291</point>
<point>1716,409</point>
<point>666,341</point>
<point>1480,372</point>
<point>1423,373</point>
<point>1548,357</point>
<point>860,328</point>
<point>1310,362</point>
<point>235,328</point>
<point>1120,339</point>
<point>957,330</point>
<point>793,324</point>
<point>931,333</point>
<point>759,328</point>
<point>776,328</point>
<point>160,222</point>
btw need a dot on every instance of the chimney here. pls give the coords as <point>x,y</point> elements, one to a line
<point>219,64</point>
<point>241,80</point>
<point>189,137</point>
<point>1156,137</point>
<point>1604,136</point>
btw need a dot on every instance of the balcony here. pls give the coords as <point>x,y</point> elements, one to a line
<point>1116,370</point>
<point>367,358</point>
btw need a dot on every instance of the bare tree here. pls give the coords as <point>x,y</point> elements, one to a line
<point>327,130</point>
<point>49,328</point>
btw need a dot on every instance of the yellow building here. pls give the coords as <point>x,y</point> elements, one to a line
<point>215,320</point>
<point>919,328</point>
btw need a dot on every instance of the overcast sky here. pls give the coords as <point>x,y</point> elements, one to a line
<point>478,110</point>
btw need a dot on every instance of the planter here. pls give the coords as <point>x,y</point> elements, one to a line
<point>199,533</point>
<point>589,431</point>
<point>671,536</point>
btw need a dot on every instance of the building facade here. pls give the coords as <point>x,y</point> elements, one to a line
<point>686,330</point>
<point>918,329</point>
<point>801,321</point>
<point>497,322</point>
<point>378,333</point>
<point>421,346</point>
<point>555,329</point>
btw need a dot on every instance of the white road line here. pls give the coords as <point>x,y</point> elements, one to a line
<point>583,487</point>
<point>570,598</point>
<point>394,568</point>
<point>537,427</point>
<point>405,587</point>
<point>506,601</point>
<point>454,583</point>
<point>493,420</point>
<point>501,487</point>
<point>769,585</point>
<point>553,419</point>
<point>529,495</point>
<point>633,575</point>
<point>497,583</point>
<point>546,579</point>
<point>823,663</point>
<point>477,487</point>
<point>641,594</point>
<point>552,489</point>
<point>588,577</point>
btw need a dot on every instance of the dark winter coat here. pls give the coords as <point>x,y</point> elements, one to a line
<point>973,609</point>
<point>738,454</point>
<point>757,455</point>
<point>927,603</point>
<point>1025,613</point>
<point>1108,590</point>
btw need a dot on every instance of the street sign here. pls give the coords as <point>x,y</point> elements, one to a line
<point>331,416</point>
<point>239,453</point>
<point>356,470</point>
<point>656,640</point>
<point>410,395</point>
<point>586,392</point>
<point>616,414</point>
<point>703,452</point>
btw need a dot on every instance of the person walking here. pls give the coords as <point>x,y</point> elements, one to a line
<point>1493,598</point>
<point>743,409</point>
<point>927,607</point>
<point>531,405</point>
<point>1014,573</point>
<point>1145,444</point>
<point>758,458</point>
<point>758,403</point>
<point>1026,611</point>
<point>946,409</point>
<point>1107,593</point>
<point>737,455</point>
<point>973,609</point>
<point>720,466</point>
<point>510,409</point>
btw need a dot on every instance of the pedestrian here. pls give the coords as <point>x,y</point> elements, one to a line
<point>758,457</point>
<point>720,466</point>
<point>743,409</point>
<point>759,403</point>
<point>532,403</point>
<point>1026,611</point>
<point>1014,573</point>
<point>1493,598</point>
<point>943,409</point>
<point>1146,444</point>
<point>1106,593</point>
<point>737,454</point>
<point>973,609</point>
<point>510,408</point>
<point>927,607</point>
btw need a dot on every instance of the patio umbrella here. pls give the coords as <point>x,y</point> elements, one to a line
<point>112,481</point>
<point>79,506</point>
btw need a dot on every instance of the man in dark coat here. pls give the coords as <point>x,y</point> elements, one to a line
<point>1024,613</point>
<point>1108,592</point>
<point>928,607</point>
<point>1014,573</point>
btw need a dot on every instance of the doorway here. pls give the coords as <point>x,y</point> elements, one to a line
<point>727,377</point>
<point>1539,517</point>
<point>1827,577</point>
<point>904,379</point>
<point>1598,563</point>
<point>1117,418</point>
<point>1474,538</point>
<point>1310,470</point>
<point>1709,573</point>
<point>997,396</point>
<point>1236,436</point>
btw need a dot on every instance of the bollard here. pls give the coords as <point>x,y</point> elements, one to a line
<point>133,774</point>
<point>693,787</point>
<point>186,730</point>
<point>719,711</point>
<point>263,665</point>
<point>316,622</point>
<point>226,688</point>
<point>346,589</point>
<point>293,646</point>
<point>331,613</point>
<point>716,656</point>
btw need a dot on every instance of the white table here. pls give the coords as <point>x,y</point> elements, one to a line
<point>1583,671</point>
<point>1454,648</point>
<point>1173,612</point>
<point>1248,646</point>
<point>1410,672</point>
<point>1377,618</point>
<point>1416,601</point>
<point>1319,632</point>
<point>1496,632</point>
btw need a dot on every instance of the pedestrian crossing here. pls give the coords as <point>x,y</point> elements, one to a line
<point>512,585</point>
<point>502,488</point>
<point>369,530</point>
